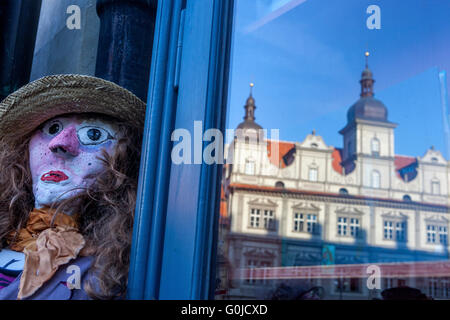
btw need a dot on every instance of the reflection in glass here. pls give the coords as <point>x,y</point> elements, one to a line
<point>353,203</point>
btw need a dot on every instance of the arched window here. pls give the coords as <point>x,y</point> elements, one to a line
<point>375,146</point>
<point>279,184</point>
<point>343,191</point>
<point>375,179</point>
<point>407,198</point>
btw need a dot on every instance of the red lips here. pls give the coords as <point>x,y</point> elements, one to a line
<point>55,176</point>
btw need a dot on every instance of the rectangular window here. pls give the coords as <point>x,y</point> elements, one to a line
<point>312,174</point>
<point>348,227</point>
<point>249,167</point>
<point>388,230</point>
<point>376,179</point>
<point>400,231</point>
<point>299,222</point>
<point>255,215</point>
<point>395,230</point>
<point>375,147</point>
<point>431,233</point>
<point>342,226</point>
<point>268,220</point>
<point>311,223</point>
<point>354,227</point>
<point>262,219</point>
<point>443,234</point>
<point>435,187</point>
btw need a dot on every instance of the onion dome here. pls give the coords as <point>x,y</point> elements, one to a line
<point>367,107</point>
<point>249,118</point>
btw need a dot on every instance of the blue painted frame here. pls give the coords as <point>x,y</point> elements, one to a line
<point>175,229</point>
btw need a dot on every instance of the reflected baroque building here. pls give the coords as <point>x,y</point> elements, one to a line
<point>287,203</point>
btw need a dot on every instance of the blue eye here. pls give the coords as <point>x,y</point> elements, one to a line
<point>93,135</point>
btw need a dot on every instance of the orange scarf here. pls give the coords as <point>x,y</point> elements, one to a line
<point>46,247</point>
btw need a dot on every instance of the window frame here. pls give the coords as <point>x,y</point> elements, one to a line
<point>311,170</point>
<point>249,164</point>
<point>376,185</point>
<point>437,232</point>
<point>394,229</point>
<point>435,182</point>
<point>375,142</point>
<point>348,226</point>
<point>176,217</point>
<point>306,214</point>
<point>262,218</point>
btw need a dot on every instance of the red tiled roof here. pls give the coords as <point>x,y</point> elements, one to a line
<point>402,161</point>
<point>283,149</point>
<point>337,159</point>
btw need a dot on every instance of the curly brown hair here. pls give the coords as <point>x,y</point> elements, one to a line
<point>106,209</point>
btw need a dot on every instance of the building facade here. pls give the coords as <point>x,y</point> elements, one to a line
<point>307,203</point>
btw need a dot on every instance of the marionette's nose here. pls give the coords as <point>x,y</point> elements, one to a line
<point>65,143</point>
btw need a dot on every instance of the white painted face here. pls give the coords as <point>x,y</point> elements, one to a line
<point>64,156</point>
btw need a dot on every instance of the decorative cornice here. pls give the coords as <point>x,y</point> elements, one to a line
<point>343,199</point>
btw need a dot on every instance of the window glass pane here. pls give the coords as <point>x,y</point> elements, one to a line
<point>351,104</point>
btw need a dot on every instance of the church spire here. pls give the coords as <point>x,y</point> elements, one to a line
<point>250,106</point>
<point>367,80</point>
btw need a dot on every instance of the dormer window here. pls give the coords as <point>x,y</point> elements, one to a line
<point>375,147</point>
<point>434,159</point>
<point>279,184</point>
<point>407,198</point>
<point>314,145</point>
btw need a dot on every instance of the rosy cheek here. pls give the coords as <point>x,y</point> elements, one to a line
<point>39,152</point>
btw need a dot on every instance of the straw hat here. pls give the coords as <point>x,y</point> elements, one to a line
<point>25,109</point>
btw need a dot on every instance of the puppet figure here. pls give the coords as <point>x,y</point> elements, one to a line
<point>69,163</point>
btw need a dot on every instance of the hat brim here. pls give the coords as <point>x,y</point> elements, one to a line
<point>25,109</point>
